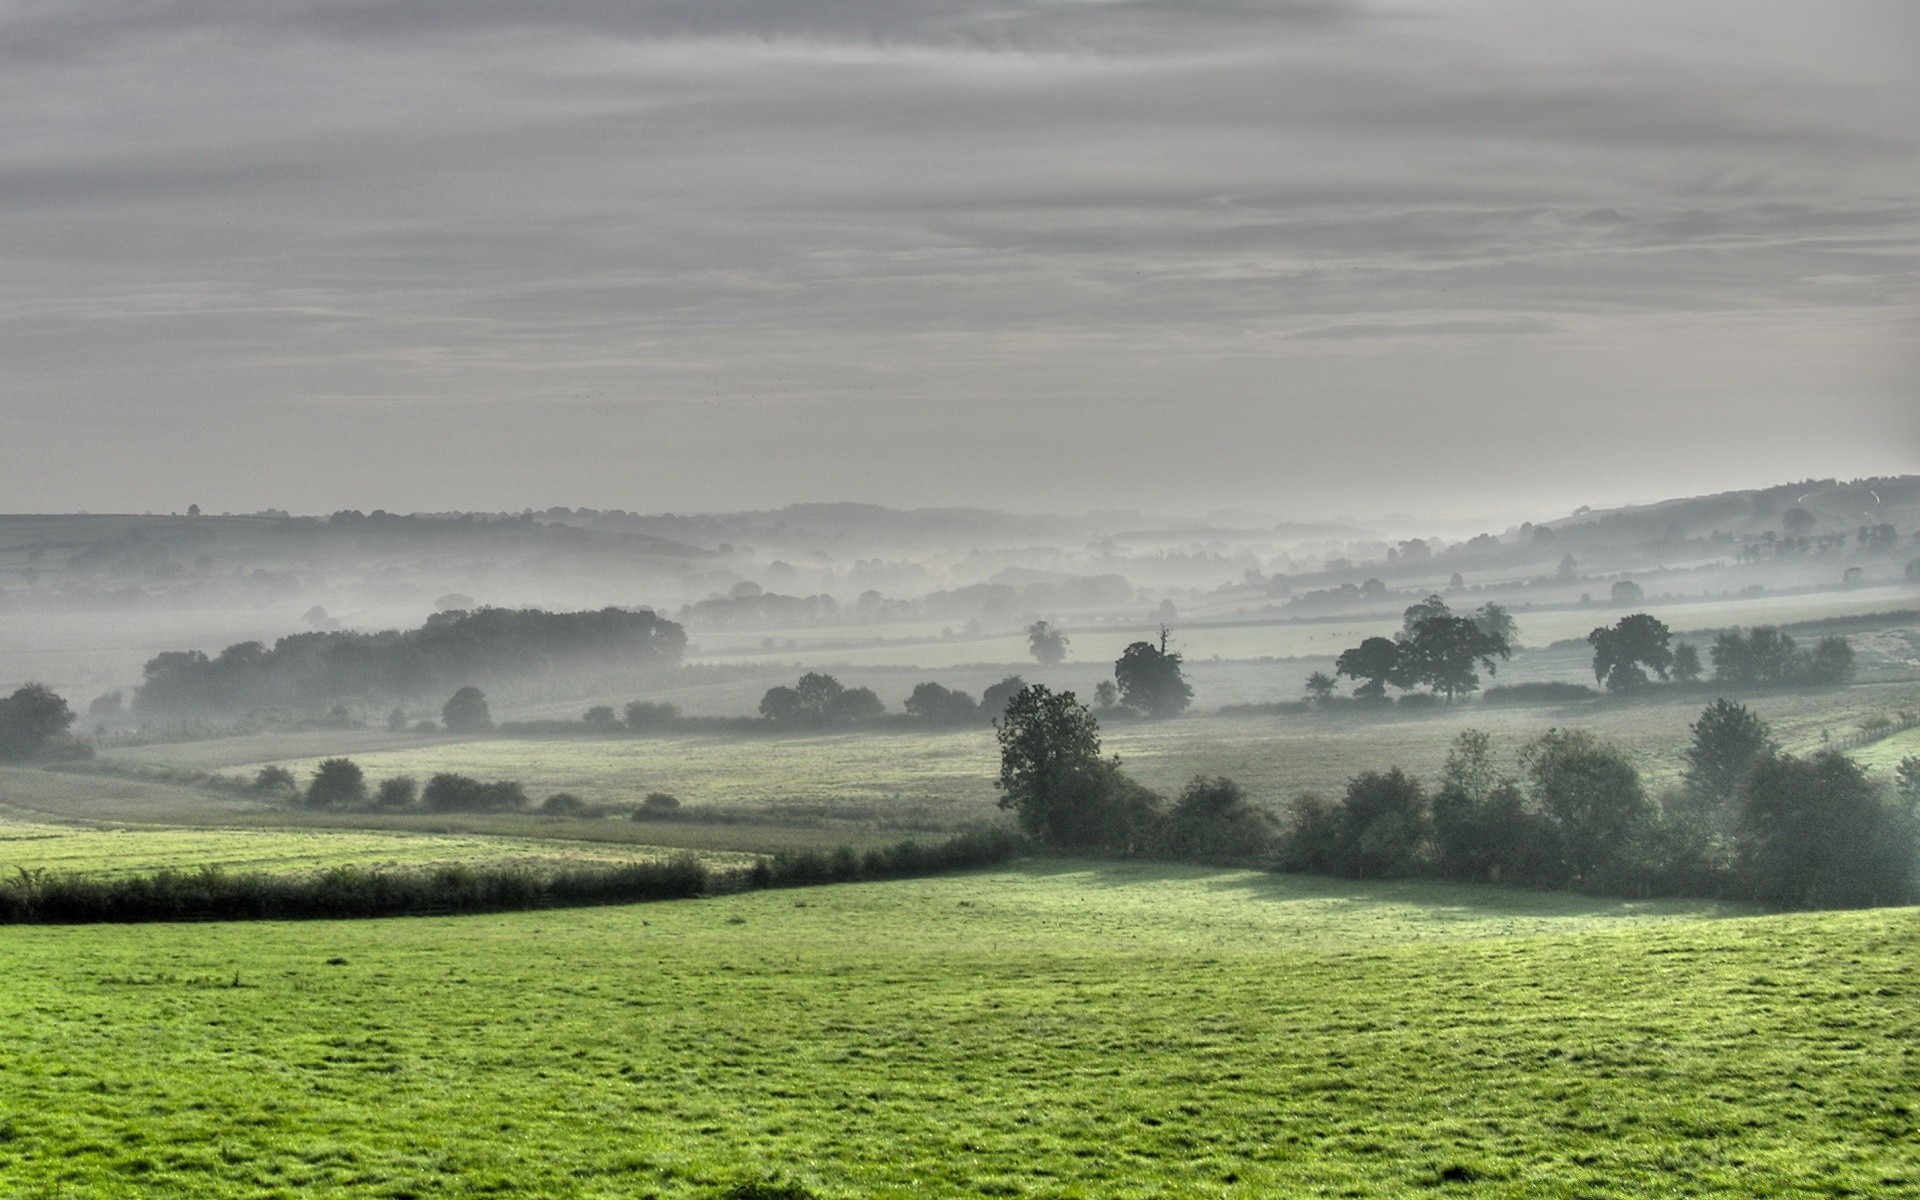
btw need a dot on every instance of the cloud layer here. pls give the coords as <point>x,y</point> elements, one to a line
<point>1301,256</point>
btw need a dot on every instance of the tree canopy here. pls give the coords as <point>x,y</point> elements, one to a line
<point>1623,654</point>
<point>1151,681</point>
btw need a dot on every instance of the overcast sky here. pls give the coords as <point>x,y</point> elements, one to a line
<point>1302,256</point>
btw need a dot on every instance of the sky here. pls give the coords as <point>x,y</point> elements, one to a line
<point>1302,257</point>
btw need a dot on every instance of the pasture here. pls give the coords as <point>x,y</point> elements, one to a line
<point>134,850</point>
<point>894,781</point>
<point>1053,1029</point>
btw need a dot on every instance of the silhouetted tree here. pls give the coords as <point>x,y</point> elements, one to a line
<point>1496,621</point>
<point>940,705</point>
<point>1105,694</point>
<point>337,783</point>
<point>1728,740</point>
<point>1686,664</point>
<point>1623,654</point>
<point>600,716</point>
<point>993,701</point>
<point>1372,664</point>
<point>1798,522</point>
<point>466,712</point>
<point>1047,644</point>
<point>1150,679</point>
<point>1443,651</point>
<point>1626,591</point>
<point>1053,779</point>
<point>1320,687</point>
<point>33,720</point>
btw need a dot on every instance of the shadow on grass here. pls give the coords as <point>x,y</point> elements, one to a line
<point>1468,900</point>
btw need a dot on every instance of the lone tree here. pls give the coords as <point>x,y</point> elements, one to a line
<point>1728,740</point>
<point>31,719</point>
<point>1047,644</point>
<point>1635,642</point>
<point>1496,621</point>
<point>1053,778</point>
<point>466,712</point>
<point>1150,679</point>
<point>337,783</point>
<point>1372,665</point>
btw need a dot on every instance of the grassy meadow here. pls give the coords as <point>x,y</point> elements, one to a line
<point>1056,1029</point>
<point>134,850</point>
<point>891,781</point>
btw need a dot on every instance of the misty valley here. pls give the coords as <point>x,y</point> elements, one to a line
<point>1173,847</point>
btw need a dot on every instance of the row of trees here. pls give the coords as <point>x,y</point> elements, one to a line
<point>1435,649</point>
<point>1065,794</point>
<point>340,783</point>
<point>1747,821</point>
<point>1573,812</point>
<point>1148,679</point>
<point>452,647</point>
<point>1640,645</point>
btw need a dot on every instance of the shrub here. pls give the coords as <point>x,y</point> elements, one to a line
<point>646,714</point>
<point>601,716</point>
<point>1419,700</point>
<point>448,792</point>
<point>1213,822</point>
<point>275,779</point>
<point>398,792</point>
<point>563,804</point>
<point>337,783</point>
<point>466,711</point>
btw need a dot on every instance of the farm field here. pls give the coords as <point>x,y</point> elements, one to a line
<point>907,781</point>
<point>135,850</point>
<point>1053,1029</point>
<point>1098,644</point>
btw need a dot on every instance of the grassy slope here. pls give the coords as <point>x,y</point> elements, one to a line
<point>1060,1029</point>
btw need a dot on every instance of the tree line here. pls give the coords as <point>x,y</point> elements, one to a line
<point>1571,812</point>
<point>451,648</point>
<point>1445,652</point>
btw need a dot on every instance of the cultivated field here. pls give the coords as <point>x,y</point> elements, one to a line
<point>1056,1029</point>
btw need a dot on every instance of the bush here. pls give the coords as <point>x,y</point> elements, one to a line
<point>564,804</point>
<point>398,792</point>
<point>275,780</point>
<point>466,711</point>
<point>1419,700</point>
<point>644,714</point>
<point>1213,822</point>
<point>337,783</point>
<point>601,717</point>
<point>447,792</point>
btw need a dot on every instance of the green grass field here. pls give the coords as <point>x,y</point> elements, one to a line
<point>907,781</point>
<point>138,850</point>
<point>1056,1029</point>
